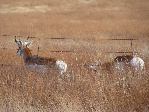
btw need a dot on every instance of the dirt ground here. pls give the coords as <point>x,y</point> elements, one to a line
<point>82,29</point>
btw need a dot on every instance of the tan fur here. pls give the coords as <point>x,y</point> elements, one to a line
<point>29,59</point>
<point>38,63</point>
<point>109,66</point>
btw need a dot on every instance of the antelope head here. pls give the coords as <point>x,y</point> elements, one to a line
<point>22,46</point>
<point>94,67</point>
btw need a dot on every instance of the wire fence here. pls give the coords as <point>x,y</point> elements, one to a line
<point>74,51</point>
<point>69,51</point>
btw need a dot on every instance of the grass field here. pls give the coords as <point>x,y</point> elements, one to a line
<point>87,24</point>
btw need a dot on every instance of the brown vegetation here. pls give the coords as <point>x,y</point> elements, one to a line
<point>86,23</point>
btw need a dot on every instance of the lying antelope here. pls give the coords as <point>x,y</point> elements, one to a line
<point>37,62</point>
<point>134,62</point>
<point>120,62</point>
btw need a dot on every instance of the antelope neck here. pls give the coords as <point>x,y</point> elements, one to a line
<point>26,54</point>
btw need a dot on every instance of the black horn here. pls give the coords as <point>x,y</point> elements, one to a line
<point>28,38</point>
<point>15,39</point>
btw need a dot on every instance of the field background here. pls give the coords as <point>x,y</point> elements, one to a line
<point>86,24</point>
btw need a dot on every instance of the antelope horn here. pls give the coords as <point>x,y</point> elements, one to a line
<point>16,39</point>
<point>26,42</point>
<point>27,38</point>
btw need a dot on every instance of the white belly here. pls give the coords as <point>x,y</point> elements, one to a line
<point>120,66</point>
<point>37,68</point>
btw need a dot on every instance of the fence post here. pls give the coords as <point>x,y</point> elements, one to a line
<point>131,47</point>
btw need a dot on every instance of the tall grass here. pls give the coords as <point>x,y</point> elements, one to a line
<point>80,89</point>
<point>86,23</point>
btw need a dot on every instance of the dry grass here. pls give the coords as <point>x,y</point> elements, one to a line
<point>86,22</point>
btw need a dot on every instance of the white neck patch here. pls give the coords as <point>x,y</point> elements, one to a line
<point>19,53</point>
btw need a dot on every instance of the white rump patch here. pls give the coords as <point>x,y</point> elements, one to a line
<point>62,66</point>
<point>137,64</point>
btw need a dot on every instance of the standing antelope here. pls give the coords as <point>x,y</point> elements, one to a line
<point>36,62</point>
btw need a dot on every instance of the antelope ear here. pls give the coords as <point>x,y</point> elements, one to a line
<point>28,43</point>
<point>19,52</point>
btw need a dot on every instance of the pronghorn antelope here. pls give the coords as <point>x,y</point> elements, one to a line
<point>134,62</point>
<point>36,62</point>
<point>120,63</point>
